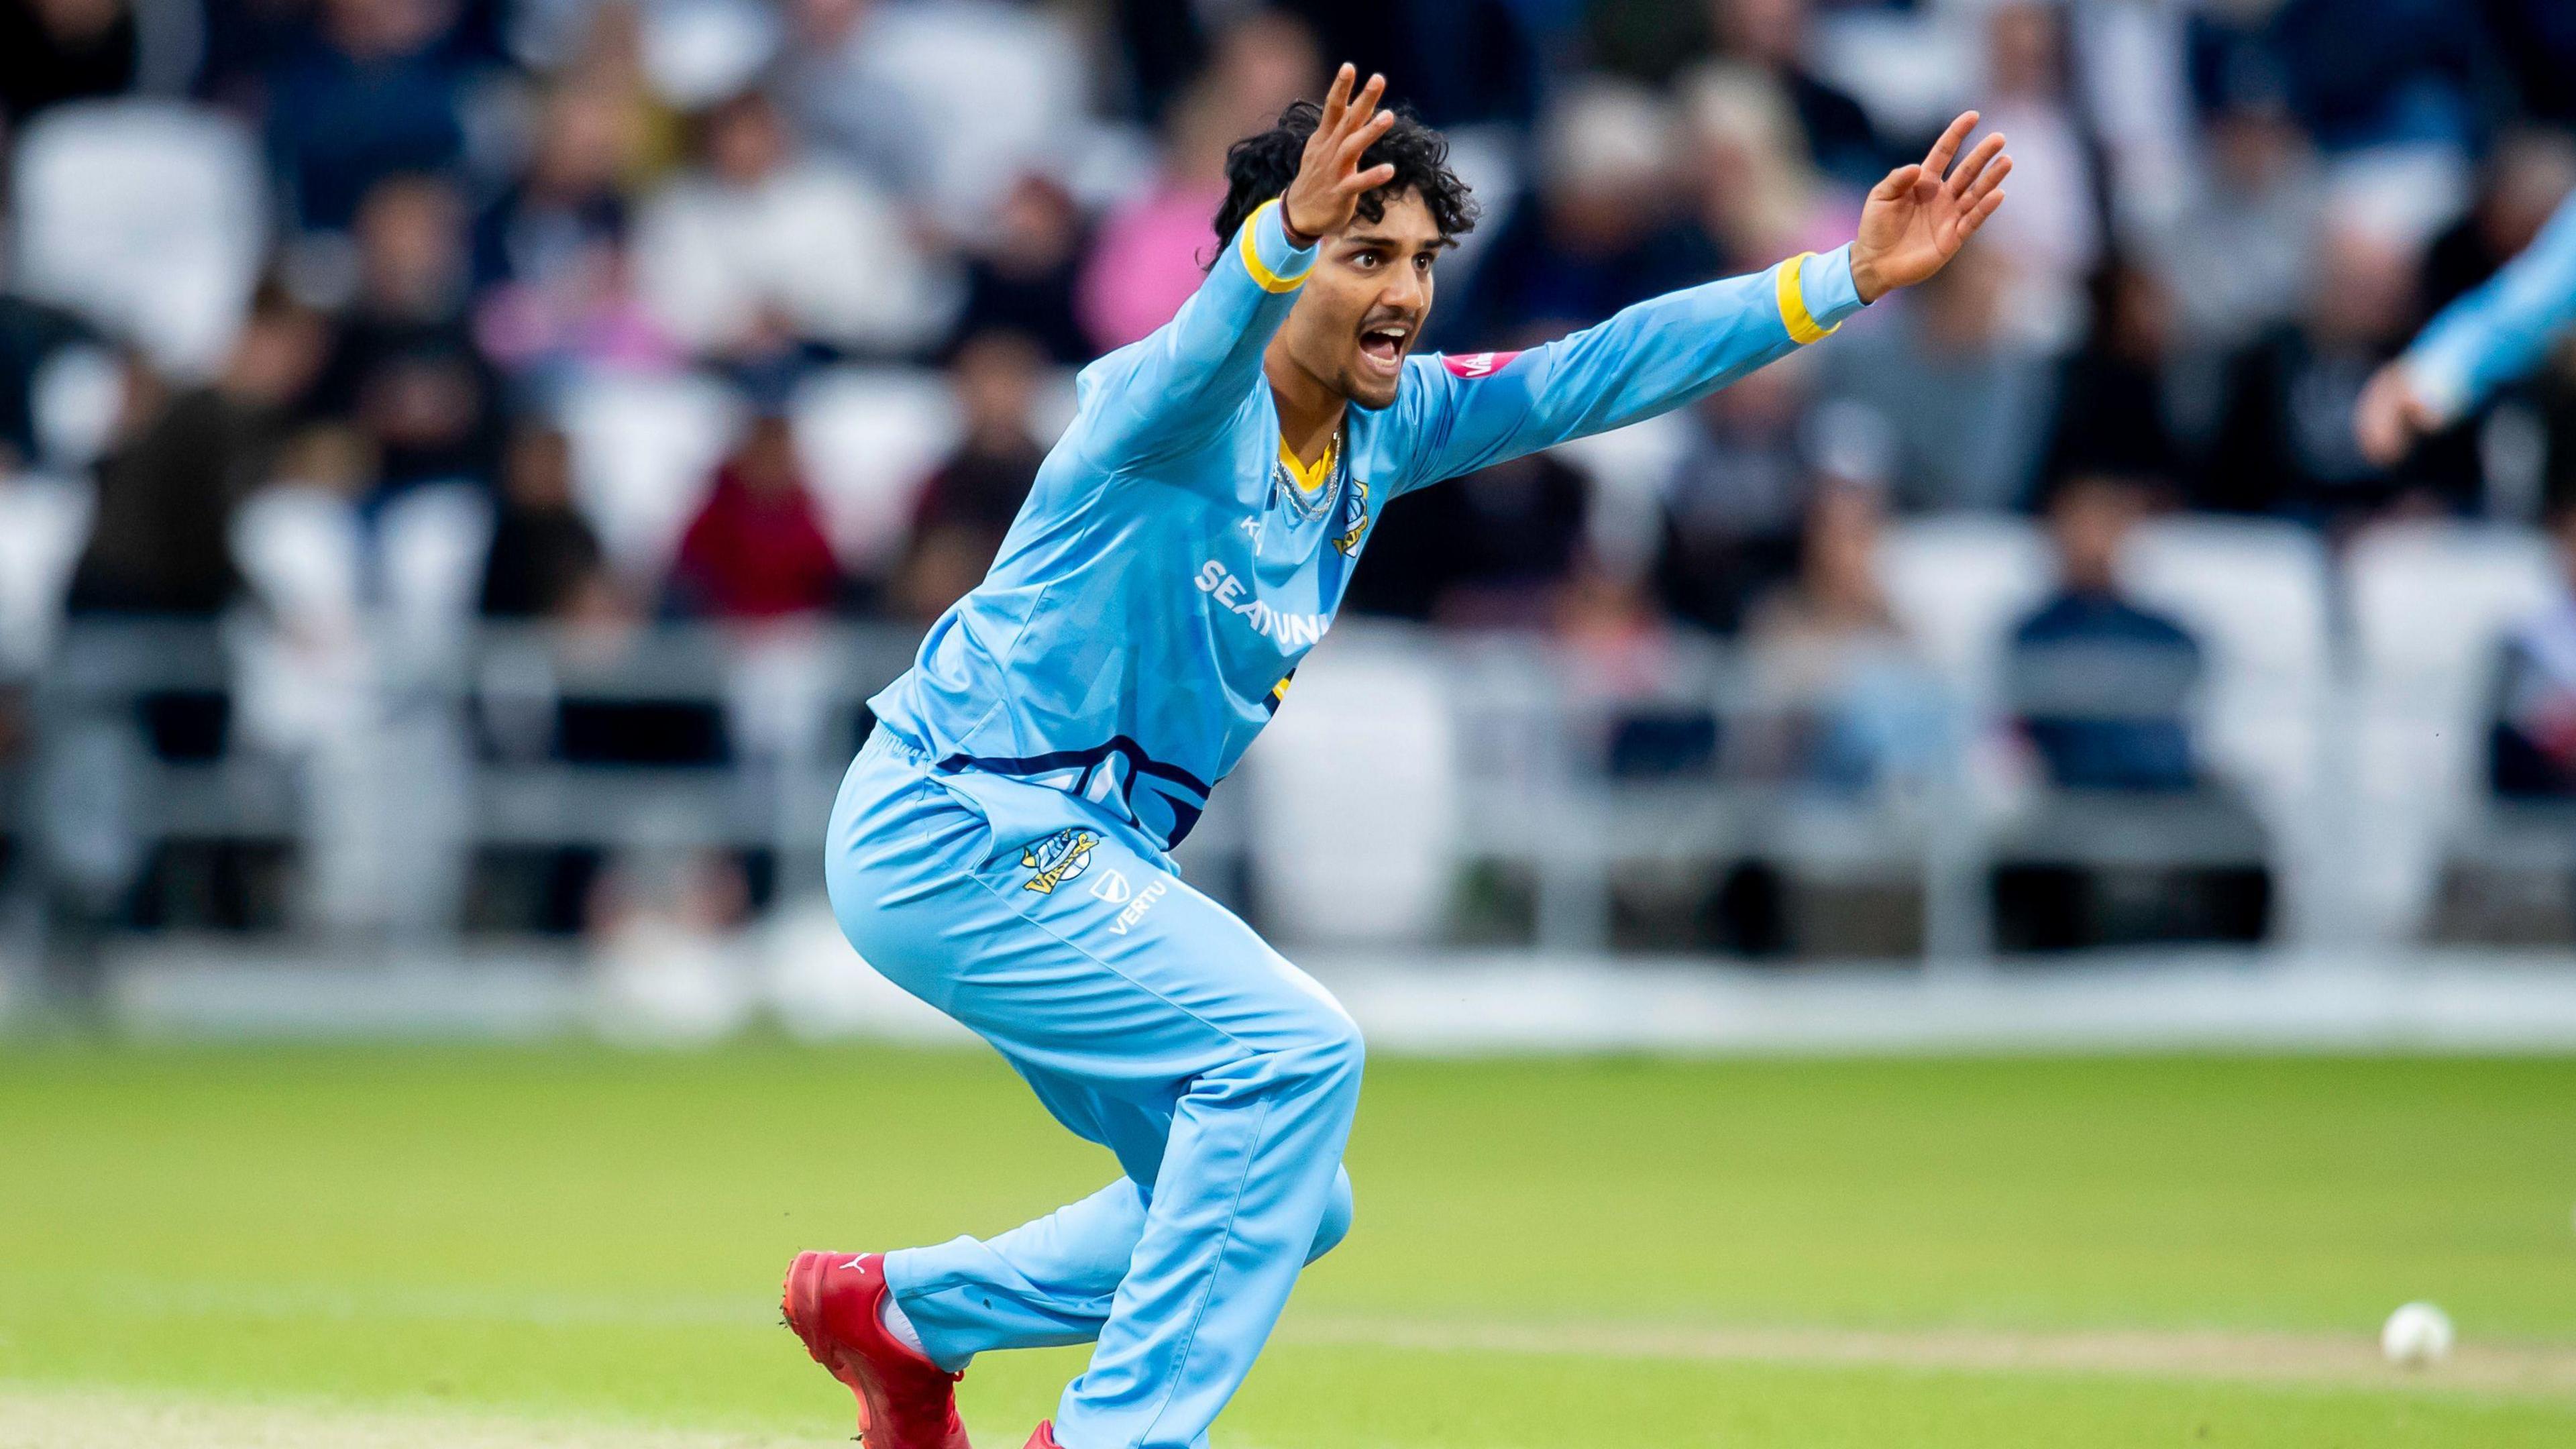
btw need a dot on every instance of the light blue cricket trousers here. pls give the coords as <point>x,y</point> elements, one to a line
<point>1148,1019</point>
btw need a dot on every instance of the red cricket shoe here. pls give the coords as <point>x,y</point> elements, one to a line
<point>1044,1438</point>
<point>905,1401</point>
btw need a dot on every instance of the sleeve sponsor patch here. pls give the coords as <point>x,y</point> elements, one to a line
<point>1473,365</point>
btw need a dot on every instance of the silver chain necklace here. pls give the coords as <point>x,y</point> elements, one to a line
<point>1325,496</point>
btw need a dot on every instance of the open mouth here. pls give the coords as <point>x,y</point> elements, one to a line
<point>1382,346</point>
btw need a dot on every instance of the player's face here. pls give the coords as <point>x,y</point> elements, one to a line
<point>1363,308</point>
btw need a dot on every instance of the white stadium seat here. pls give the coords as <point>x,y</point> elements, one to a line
<point>78,395</point>
<point>2255,588</point>
<point>868,436</point>
<point>645,448</point>
<point>2431,603</point>
<point>44,523</point>
<point>431,544</point>
<point>149,217</point>
<point>1960,583</point>
<point>300,660</point>
<point>1355,789</point>
<point>303,552</point>
<point>990,92</point>
<point>2255,592</point>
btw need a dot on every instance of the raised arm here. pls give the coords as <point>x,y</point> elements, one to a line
<point>1176,388</point>
<point>1481,408</point>
<point>1662,353</point>
<point>2484,340</point>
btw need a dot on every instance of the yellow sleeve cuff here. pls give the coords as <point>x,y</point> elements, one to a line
<point>1249,243</point>
<point>1793,303</point>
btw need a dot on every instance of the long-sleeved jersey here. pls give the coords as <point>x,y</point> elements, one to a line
<point>1173,562</point>
<point>2502,328</point>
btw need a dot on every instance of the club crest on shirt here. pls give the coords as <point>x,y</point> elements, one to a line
<point>1057,859</point>
<point>1353,524</point>
<point>1473,365</point>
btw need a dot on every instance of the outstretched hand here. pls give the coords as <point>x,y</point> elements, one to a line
<point>1916,220</point>
<point>1329,181</point>
<point>2393,415</point>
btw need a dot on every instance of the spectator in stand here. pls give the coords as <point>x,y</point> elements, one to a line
<point>406,365</point>
<point>1844,702</point>
<point>570,200</point>
<point>1462,63</point>
<point>619,49</point>
<point>2357,73</point>
<point>52,51</point>
<point>2237,254</point>
<point>2236,257</point>
<point>1602,231</point>
<point>1655,40</point>
<point>967,505</point>
<point>2116,410</point>
<point>546,565</point>
<point>2101,685</point>
<point>545,557</point>
<point>1943,362</point>
<point>550,253</point>
<point>1021,278</point>
<point>160,539</point>
<point>1737,501</point>
<point>1760,196</point>
<point>2531,737</point>
<point>761,246</point>
<point>371,92</point>
<point>1151,253</point>
<point>825,89</point>
<point>2053,229</point>
<point>945,105</point>
<point>2123,673</point>
<point>1771,35</point>
<point>2286,444</point>
<point>757,552</point>
<point>767,258</point>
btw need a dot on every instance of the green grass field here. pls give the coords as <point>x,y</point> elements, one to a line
<point>577,1241</point>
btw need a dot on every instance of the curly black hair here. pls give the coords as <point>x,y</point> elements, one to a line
<point>1258,168</point>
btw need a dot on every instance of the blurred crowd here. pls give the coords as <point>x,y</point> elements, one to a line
<point>359,248</point>
<point>757,311</point>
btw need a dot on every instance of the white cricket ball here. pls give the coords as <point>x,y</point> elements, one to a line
<point>2416,1336</point>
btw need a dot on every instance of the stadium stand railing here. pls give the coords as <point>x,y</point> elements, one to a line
<point>1422,786</point>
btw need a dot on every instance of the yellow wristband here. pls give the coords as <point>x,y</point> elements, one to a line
<point>1793,303</point>
<point>1262,276</point>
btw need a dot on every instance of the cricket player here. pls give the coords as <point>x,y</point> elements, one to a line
<point>1000,847</point>
<point>2487,338</point>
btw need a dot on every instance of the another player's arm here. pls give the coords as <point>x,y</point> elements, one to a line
<point>2487,338</point>
<point>1670,350</point>
<point>1186,380</point>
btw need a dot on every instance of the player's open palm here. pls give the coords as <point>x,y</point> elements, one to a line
<point>1329,181</point>
<point>1916,220</point>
